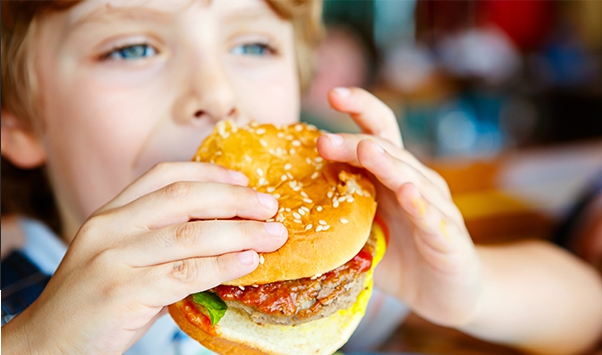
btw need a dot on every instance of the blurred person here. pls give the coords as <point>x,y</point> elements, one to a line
<point>342,59</point>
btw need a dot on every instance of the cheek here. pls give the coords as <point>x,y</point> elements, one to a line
<point>92,138</point>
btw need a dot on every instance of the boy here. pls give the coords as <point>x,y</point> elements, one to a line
<point>117,89</point>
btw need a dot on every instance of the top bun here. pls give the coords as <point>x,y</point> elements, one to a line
<point>327,207</point>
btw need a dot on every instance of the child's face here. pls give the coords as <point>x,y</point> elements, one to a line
<point>126,84</point>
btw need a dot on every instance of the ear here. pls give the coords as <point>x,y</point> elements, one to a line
<point>20,145</point>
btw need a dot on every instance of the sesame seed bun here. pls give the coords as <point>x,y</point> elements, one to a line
<point>326,207</point>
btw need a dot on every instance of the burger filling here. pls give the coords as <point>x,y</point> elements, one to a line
<point>298,301</point>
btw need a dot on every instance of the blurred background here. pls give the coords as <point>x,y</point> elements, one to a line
<point>501,97</point>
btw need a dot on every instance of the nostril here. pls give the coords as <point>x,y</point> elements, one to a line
<point>199,114</point>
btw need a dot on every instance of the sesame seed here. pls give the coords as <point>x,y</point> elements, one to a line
<point>296,215</point>
<point>308,160</point>
<point>344,221</point>
<point>255,286</point>
<point>261,259</point>
<point>350,199</point>
<point>296,188</point>
<point>301,211</point>
<point>297,221</point>
<point>342,198</point>
<point>248,159</point>
<point>296,143</point>
<point>326,227</point>
<point>260,131</point>
<point>315,175</point>
<point>322,222</point>
<point>298,127</point>
<point>269,220</point>
<point>308,227</point>
<point>241,287</point>
<point>318,228</point>
<point>305,209</point>
<point>292,151</point>
<point>319,159</point>
<point>304,194</point>
<point>281,210</point>
<point>319,208</point>
<point>283,177</point>
<point>262,181</point>
<point>263,143</point>
<point>271,189</point>
<point>330,194</point>
<point>290,176</point>
<point>319,166</point>
<point>287,209</point>
<point>289,137</point>
<point>280,218</point>
<point>335,203</point>
<point>197,158</point>
<point>280,135</point>
<point>287,166</point>
<point>276,195</point>
<point>308,200</point>
<point>259,172</point>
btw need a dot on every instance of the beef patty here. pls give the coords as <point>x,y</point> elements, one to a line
<point>302,300</point>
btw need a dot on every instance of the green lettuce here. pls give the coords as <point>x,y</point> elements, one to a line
<point>215,306</point>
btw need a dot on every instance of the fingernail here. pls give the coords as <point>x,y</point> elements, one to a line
<point>267,201</point>
<point>342,92</point>
<point>239,177</point>
<point>247,257</point>
<point>335,139</point>
<point>275,229</point>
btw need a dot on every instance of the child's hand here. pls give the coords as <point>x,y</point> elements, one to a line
<point>140,253</point>
<point>431,263</point>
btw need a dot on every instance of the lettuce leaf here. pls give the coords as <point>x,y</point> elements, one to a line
<point>216,307</point>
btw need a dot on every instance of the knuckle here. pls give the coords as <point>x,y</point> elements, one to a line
<point>249,229</point>
<point>177,189</point>
<point>186,234</point>
<point>185,271</point>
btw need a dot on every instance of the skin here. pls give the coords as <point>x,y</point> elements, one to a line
<point>117,138</point>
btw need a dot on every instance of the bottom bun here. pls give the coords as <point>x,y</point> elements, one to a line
<point>236,333</point>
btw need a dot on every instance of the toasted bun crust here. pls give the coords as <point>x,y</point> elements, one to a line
<point>327,207</point>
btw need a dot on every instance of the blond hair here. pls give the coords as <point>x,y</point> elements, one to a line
<point>19,22</point>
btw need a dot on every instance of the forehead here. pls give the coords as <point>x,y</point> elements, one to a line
<point>163,11</point>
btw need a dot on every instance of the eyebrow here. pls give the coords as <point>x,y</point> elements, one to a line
<point>110,13</point>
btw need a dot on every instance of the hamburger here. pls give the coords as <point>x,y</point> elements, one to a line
<point>308,296</point>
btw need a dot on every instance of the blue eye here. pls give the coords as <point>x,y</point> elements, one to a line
<point>133,52</point>
<point>255,49</point>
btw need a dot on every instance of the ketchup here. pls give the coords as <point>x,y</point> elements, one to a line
<point>284,297</point>
<point>197,318</point>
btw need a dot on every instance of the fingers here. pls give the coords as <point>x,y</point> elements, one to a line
<point>176,280</point>
<point>167,173</point>
<point>438,238</point>
<point>183,201</point>
<point>347,147</point>
<point>394,173</point>
<point>202,239</point>
<point>370,113</point>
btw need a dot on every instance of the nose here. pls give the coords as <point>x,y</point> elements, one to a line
<point>208,95</point>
